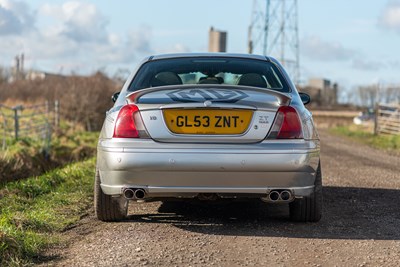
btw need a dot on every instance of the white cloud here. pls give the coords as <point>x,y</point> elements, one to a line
<point>362,64</point>
<point>83,29</point>
<point>15,17</point>
<point>390,17</point>
<point>315,48</point>
<point>139,40</point>
<point>75,34</point>
<point>81,22</point>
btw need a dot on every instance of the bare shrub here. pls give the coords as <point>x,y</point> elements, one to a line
<point>83,100</point>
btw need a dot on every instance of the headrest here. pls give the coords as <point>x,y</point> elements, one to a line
<point>252,79</point>
<point>166,78</point>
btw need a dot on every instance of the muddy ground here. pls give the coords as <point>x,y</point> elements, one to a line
<point>360,224</point>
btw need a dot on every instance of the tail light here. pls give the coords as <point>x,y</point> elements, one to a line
<point>125,126</point>
<point>287,124</point>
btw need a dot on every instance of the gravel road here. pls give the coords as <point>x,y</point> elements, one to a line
<point>360,224</point>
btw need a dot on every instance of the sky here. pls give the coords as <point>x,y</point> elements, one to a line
<point>352,43</point>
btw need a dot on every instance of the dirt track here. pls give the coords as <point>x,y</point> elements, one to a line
<point>360,225</point>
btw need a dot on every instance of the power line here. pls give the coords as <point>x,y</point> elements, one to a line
<point>273,31</point>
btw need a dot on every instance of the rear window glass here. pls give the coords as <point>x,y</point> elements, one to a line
<point>225,71</point>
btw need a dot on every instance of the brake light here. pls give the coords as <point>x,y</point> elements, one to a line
<point>125,126</point>
<point>287,124</point>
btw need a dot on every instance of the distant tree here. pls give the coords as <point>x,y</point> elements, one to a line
<point>347,96</point>
<point>392,94</point>
<point>369,95</point>
<point>4,75</point>
<point>121,75</point>
<point>84,100</point>
<point>372,94</point>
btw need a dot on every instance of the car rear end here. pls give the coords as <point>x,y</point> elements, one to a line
<point>209,141</point>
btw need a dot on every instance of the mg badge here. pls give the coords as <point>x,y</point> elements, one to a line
<point>204,95</point>
<point>207,103</point>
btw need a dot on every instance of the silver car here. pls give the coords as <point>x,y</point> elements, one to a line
<point>209,126</point>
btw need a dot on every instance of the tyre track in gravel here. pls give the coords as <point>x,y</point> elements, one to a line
<point>360,224</point>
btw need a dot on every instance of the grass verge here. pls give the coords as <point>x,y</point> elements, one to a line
<point>25,157</point>
<point>387,142</point>
<point>34,211</point>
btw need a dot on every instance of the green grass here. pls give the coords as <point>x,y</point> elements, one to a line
<point>34,211</point>
<point>74,145</point>
<point>387,142</point>
<point>25,157</point>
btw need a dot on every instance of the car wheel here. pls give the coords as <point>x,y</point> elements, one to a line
<point>108,208</point>
<point>309,209</point>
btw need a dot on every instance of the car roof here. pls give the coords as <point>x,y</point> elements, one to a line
<point>233,55</point>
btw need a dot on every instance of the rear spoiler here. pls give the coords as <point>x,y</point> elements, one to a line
<point>284,98</point>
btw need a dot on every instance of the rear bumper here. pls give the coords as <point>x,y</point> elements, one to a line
<point>185,170</point>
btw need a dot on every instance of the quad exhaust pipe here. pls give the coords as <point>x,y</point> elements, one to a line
<point>274,196</point>
<point>140,193</point>
<point>279,196</point>
<point>134,193</point>
<point>285,195</point>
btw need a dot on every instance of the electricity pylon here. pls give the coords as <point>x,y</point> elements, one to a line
<point>273,31</point>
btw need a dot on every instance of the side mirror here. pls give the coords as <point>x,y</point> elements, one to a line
<point>305,98</point>
<point>115,96</point>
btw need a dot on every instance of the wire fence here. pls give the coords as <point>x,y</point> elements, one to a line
<point>33,122</point>
<point>387,119</point>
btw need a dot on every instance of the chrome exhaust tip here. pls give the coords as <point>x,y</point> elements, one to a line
<point>128,193</point>
<point>274,196</point>
<point>285,195</point>
<point>139,194</point>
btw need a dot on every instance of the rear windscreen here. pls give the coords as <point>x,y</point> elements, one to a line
<point>198,70</point>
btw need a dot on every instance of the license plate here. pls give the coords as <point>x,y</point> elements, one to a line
<point>207,121</point>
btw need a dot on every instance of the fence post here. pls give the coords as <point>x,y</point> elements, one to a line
<point>56,114</point>
<point>376,119</point>
<point>5,131</point>
<point>46,104</point>
<point>16,120</point>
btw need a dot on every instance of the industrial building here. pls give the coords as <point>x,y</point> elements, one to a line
<point>216,40</point>
<point>322,92</point>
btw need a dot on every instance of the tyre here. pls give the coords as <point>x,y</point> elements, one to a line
<point>108,208</point>
<point>308,209</point>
